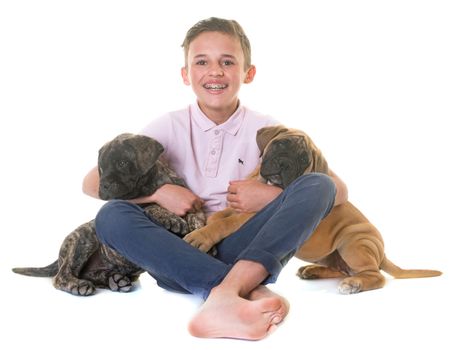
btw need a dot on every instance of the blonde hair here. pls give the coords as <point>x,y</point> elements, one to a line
<point>214,24</point>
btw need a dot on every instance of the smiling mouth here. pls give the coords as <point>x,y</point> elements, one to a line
<point>215,87</point>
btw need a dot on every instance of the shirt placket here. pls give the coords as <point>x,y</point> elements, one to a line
<point>214,153</point>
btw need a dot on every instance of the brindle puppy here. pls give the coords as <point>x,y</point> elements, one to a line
<point>129,168</point>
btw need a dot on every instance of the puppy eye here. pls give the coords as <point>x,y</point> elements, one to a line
<point>122,164</point>
<point>280,145</point>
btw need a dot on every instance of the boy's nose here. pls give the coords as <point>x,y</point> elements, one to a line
<point>216,71</point>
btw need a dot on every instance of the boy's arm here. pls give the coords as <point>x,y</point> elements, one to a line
<point>252,195</point>
<point>342,190</point>
<point>177,199</point>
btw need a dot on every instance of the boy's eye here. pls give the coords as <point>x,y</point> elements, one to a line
<point>227,63</point>
<point>201,62</point>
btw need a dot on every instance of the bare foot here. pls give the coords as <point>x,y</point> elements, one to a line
<point>227,315</point>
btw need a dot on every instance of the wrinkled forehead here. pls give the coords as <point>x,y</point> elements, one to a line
<point>118,149</point>
<point>287,143</point>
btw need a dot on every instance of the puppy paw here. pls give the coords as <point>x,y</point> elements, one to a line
<point>198,240</point>
<point>195,220</point>
<point>309,272</point>
<point>120,283</point>
<point>167,219</point>
<point>82,288</point>
<point>75,286</point>
<point>350,285</point>
<point>175,224</point>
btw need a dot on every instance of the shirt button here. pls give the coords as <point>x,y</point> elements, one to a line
<point>213,152</point>
<point>217,132</point>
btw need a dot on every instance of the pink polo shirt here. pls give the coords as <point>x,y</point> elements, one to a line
<point>207,155</point>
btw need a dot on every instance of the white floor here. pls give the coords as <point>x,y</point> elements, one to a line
<point>371,82</point>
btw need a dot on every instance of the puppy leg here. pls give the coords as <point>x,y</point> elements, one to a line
<point>219,215</point>
<point>107,269</point>
<point>211,234</point>
<point>331,266</point>
<point>363,257</point>
<point>118,273</point>
<point>168,220</point>
<point>76,250</point>
<point>314,271</point>
<point>362,281</point>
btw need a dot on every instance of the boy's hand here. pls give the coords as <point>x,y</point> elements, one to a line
<point>250,195</point>
<point>177,199</point>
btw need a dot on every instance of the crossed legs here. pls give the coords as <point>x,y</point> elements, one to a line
<point>237,304</point>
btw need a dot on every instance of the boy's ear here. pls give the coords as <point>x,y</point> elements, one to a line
<point>184,74</point>
<point>250,73</point>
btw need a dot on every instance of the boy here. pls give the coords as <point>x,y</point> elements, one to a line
<point>209,144</point>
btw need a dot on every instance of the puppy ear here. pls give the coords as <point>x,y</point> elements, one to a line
<point>318,162</point>
<point>148,151</point>
<point>267,134</point>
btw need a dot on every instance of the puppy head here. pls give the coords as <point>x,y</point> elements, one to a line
<point>288,154</point>
<point>123,163</point>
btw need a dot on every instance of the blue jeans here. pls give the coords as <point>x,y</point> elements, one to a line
<point>271,238</point>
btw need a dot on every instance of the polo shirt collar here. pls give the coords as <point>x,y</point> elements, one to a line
<point>231,126</point>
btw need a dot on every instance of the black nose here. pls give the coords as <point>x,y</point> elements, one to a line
<point>108,187</point>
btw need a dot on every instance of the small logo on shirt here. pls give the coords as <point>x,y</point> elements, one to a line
<point>240,161</point>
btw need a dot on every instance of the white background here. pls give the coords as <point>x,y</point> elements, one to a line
<point>372,82</point>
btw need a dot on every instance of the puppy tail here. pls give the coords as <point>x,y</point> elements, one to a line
<point>47,271</point>
<point>398,272</point>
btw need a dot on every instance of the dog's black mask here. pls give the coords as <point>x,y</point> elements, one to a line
<point>284,160</point>
<point>126,165</point>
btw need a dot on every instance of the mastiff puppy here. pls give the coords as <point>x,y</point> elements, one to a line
<point>345,244</point>
<point>129,167</point>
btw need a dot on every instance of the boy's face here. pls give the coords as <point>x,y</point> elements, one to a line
<point>216,71</point>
